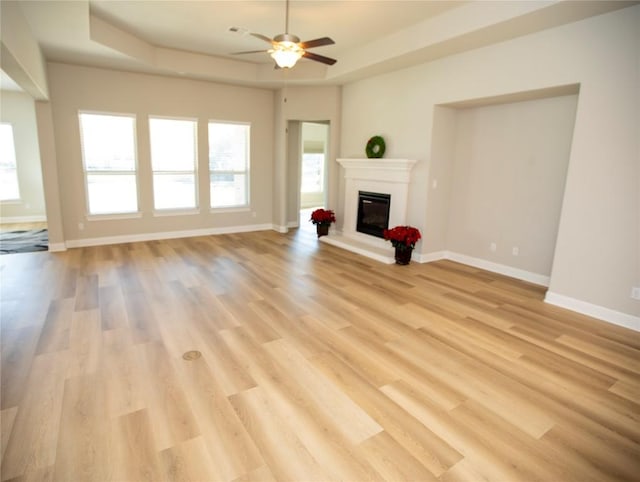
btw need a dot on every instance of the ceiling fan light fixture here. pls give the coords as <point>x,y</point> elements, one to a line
<point>286,54</point>
<point>286,49</point>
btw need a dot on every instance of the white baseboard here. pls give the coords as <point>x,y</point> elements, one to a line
<point>57,247</point>
<point>293,224</point>
<point>23,219</point>
<point>429,257</point>
<point>280,229</point>
<point>517,273</point>
<point>133,238</point>
<point>350,244</point>
<point>595,311</point>
<point>583,307</point>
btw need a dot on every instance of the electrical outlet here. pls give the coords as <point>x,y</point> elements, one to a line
<point>515,251</point>
<point>434,184</point>
<point>635,292</point>
<point>81,226</point>
<point>493,247</point>
<point>253,214</point>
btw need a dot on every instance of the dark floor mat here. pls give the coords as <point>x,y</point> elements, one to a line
<point>24,241</point>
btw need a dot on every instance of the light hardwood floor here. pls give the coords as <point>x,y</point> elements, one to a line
<point>316,364</point>
<point>7,227</point>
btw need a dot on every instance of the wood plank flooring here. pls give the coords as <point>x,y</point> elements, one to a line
<point>7,227</point>
<point>317,364</point>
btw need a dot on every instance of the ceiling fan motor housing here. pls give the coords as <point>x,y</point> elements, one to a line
<point>286,37</point>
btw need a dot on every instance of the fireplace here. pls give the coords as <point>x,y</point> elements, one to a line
<point>389,176</point>
<point>373,213</point>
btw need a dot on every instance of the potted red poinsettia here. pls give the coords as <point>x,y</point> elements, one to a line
<point>323,218</point>
<point>404,239</point>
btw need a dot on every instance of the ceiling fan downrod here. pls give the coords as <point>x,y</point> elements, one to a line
<point>286,18</point>
<point>286,36</point>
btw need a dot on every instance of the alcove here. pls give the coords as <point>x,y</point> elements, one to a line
<point>497,179</point>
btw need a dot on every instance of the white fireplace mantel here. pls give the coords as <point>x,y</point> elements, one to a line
<point>391,170</point>
<point>385,176</point>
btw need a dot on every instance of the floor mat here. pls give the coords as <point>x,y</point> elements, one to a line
<point>24,241</point>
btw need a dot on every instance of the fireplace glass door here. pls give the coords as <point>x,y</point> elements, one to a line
<point>373,213</point>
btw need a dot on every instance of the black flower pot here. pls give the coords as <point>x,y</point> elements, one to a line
<point>322,229</point>
<point>403,255</point>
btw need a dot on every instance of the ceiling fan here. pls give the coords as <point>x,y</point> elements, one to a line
<point>286,49</point>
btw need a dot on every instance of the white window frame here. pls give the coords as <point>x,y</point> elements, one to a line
<point>15,166</point>
<point>113,215</point>
<point>247,172</point>
<point>180,210</point>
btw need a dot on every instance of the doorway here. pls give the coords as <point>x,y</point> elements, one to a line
<point>308,153</point>
<point>313,164</point>
<point>313,169</point>
<point>23,224</point>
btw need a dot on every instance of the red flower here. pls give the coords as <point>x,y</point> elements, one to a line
<point>323,216</point>
<point>402,236</point>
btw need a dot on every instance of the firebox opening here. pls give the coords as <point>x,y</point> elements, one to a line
<point>373,213</point>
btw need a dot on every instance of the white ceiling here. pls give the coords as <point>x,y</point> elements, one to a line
<point>203,26</point>
<point>192,38</point>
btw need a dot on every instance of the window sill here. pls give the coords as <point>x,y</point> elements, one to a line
<point>113,217</point>
<point>230,209</point>
<point>175,212</point>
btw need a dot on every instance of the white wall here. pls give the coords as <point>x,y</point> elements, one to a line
<point>304,104</point>
<point>596,256</point>
<point>18,109</point>
<point>47,142</point>
<point>509,172</point>
<point>75,88</point>
<point>441,173</point>
<point>294,159</point>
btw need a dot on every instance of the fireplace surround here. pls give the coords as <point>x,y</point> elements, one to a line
<point>387,176</point>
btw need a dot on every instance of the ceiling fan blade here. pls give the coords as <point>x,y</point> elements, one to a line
<point>262,37</point>
<point>319,42</point>
<point>250,52</point>
<point>319,58</point>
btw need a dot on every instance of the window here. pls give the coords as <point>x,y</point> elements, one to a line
<point>173,161</point>
<point>9,188</point>
<point>109,157</point>
<point>312,172</point>
<point>229,164</point>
